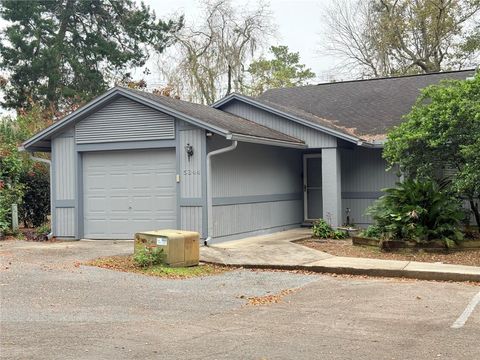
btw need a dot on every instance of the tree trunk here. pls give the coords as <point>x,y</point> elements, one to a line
<point>229,81</point>
<point>476,212</point>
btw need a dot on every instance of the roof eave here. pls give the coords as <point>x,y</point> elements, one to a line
<point>283,114</point>
<point>85,110</point>
<point>266,141</point>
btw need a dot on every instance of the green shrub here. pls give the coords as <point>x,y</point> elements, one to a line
<point>35,205</point>
<point>148,256</point>
<point>373,231</point>
<point>419,211</point>
<point>338,234</point>
<point>322,230</point>
<point>43,229</point>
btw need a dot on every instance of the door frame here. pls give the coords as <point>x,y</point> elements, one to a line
<point>305,185</point>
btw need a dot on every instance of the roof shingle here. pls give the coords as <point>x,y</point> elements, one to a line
<point>365,108</point>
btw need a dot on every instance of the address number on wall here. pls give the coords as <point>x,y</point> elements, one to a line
<point>191,172</point>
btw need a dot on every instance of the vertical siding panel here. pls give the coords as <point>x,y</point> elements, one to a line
<point>191,218</point>
<point>65,222</point>
<point>244,218</point>
<point>363,172</point>
<point>253,169</point>
<point>63,148</point>
<point>191,170</point>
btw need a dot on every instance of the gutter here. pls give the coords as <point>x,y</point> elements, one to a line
<point>49,163</point>
<point>211,154</point>
<point>265,141</point>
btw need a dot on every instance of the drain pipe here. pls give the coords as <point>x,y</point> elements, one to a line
<point>209,187</point>
<point>49,163</point>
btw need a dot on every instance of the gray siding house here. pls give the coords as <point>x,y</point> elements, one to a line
<point>131,161</point>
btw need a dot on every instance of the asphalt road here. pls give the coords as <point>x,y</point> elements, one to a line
<point>51,308</point>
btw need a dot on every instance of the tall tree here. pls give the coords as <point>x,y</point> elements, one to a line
<point>211,53</point>
<point>391,37</point>
<point>284,70</point>
<point>441,139</point>
<point>59,51</point>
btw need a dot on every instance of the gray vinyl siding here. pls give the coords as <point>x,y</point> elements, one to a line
<point>191,169</point>
<point>231,220</point>
<point>125,120</point>
<point>364,175</point>
<point>192,173</point>
<point>65,222</point>
<point>313,138</point>
<point>255,188</point>
<point>64,185</point>
<point>192,218</point>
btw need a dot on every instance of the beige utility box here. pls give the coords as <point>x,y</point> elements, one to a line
<point>182,248</point>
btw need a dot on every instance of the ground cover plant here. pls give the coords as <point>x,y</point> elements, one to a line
<point>129,264</point>
<point>322,230</point>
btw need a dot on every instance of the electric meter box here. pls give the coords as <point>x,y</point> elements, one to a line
<point>182,248</point>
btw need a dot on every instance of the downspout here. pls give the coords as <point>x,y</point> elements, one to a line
<point>209,187</point>
<point>49,163</point>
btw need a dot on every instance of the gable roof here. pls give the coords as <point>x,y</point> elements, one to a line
<point>217,121</point>
<point>366,109</point>
<point>293,114</point>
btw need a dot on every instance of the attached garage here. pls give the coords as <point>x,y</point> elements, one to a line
<point>131,161</point>
<point>128,191</point>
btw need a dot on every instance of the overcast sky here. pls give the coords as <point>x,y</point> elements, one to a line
<point>299,26</point>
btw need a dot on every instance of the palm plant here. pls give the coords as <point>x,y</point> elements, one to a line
<point>419,211</point>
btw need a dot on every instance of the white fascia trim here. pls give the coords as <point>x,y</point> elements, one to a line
<point>287,116</point>
<point>265,141</point>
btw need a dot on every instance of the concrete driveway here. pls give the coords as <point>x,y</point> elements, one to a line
<point>51,308</point>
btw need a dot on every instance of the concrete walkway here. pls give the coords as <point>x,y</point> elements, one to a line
<point>279,251</point>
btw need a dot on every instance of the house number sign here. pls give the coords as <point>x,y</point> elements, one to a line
<point>191,172</point>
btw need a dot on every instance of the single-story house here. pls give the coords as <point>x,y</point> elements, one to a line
<point>129,160</point>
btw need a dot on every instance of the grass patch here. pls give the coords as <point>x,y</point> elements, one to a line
<point>126,264</point>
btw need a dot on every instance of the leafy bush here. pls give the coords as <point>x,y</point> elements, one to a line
<point>149,255</point>
<point>322,230</point>
<point>11,190</point>
<point>338,234</point>
<point>43,229</point>
<point>418,211</point>
<point>373,231</point>
<point>36,196</point>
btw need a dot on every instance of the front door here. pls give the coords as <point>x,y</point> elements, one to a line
<point>312,187</point>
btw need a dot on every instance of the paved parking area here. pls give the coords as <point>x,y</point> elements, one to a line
<point>51,308</point>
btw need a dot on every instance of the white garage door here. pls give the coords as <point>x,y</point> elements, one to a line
<point>128,191</point>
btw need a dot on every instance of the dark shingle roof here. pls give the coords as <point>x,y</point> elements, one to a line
<point>218,118</point>
<point>366,108</point>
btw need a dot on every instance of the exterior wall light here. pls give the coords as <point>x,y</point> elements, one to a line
<point>189,151</point>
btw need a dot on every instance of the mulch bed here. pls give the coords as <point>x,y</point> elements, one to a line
<point>27,234</point>
<point>346,248</point>
<point>125,263</point>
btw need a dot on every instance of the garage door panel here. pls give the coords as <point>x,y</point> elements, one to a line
<point>127,192</point>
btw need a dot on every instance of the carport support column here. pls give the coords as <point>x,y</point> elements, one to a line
<point>332,186</point>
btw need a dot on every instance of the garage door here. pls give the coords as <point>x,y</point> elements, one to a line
<point>127,192</point>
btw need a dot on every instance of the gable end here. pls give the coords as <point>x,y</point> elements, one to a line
<point>124,120</point>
